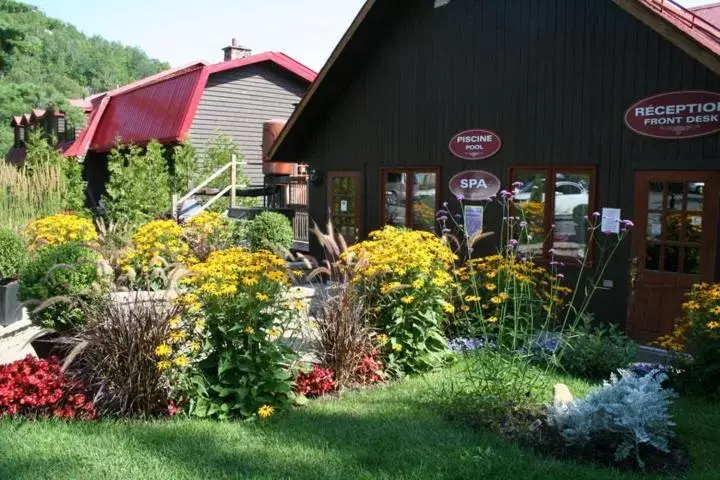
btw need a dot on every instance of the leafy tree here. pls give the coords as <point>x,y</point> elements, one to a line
<point>139,188</point>
<point>44,60</point>
<point>40,152</point>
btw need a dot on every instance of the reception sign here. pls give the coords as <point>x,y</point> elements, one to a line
<point>475,185</point>
<point>475,144</point>
<point>676,115</point>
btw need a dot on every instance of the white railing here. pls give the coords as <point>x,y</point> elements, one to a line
<point>232,188</point>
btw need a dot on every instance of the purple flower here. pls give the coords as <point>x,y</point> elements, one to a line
<point>560,276</point>
<point>628,223</point>
<point>518,184</point>
<point>505,194</point>
<point>596,214</point>
<point>442,218</point>
<point>445,204</point>
<point>554,263</point>
<point>458,216</point>
<point>552,251</point>
<point>523,224</point>
<point>460,197</point>
<point>513,243</point>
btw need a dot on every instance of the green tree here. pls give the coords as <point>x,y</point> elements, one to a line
<point>44,60</point>
<point>139,188</point>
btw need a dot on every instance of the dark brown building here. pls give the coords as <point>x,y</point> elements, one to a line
<point>589,103</point>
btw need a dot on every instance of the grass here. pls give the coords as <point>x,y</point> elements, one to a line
<point>399,432</point>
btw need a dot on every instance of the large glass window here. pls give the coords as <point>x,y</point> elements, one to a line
<point>554,221</point>
<point>410,198</point>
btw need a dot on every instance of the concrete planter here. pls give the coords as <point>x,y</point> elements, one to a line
<point>10,310</point>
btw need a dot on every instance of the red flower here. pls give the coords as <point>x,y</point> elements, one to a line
<point>315,383</point>
<point>39,388</point>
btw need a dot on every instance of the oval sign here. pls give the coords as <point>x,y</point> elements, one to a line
<point>475,185</point>
<point>676,115</point>
<point>475,144</point>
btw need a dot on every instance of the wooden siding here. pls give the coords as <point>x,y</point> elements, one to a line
<point>552,78</point>
<point>237,102</point>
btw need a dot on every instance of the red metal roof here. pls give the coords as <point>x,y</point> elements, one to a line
<point>162,106</point>
<point>156,111</point>
<point>691,23</point>
<point>709,12</point>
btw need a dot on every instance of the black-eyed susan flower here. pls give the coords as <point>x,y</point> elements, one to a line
<point>265,412</point>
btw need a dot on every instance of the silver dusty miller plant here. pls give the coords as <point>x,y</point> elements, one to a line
<point>630,411</point>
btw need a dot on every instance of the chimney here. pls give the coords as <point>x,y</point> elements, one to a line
<point>236,51</point>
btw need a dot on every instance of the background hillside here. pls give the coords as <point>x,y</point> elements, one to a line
<point>45,60</point>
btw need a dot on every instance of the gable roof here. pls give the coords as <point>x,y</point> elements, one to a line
<point>694,31</point>
<point>163,105</point>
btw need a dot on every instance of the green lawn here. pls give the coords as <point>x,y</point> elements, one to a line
<point>395,432</point>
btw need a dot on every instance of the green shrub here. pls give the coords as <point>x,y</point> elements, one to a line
<point>596,352</point>
<point>55,277</point>
<point>12,255</point>
<point>270,229</point>
<point>139,188</point>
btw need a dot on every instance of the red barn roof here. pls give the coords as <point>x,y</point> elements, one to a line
<point>709,12</point>
<point>162,106</point>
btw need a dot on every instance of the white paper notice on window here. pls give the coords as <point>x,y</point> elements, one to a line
<point>610,220</point>
<point>343,206</point>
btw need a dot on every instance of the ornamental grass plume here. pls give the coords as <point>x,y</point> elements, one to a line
<point>121,351</point>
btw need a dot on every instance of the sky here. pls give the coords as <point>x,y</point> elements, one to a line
<point>182,31</point>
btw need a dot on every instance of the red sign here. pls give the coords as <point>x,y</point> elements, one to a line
<point>475,144</point>
<point>676,115</point>
<point>475,185</point>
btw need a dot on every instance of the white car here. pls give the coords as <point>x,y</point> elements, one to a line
<point>568,195</point>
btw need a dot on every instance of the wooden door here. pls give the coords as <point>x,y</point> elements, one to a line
<point>674,247</point>
<point>345,202</point>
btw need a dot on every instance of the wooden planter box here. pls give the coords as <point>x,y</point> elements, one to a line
<point>10,310</point>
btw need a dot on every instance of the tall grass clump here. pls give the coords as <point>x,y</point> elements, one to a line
<point>26,195</point>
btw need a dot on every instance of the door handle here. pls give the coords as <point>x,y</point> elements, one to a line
<point>634,272</point>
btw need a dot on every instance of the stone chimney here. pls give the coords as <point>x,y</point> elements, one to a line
<point>234,51</point>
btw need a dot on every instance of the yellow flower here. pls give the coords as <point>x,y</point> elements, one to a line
<point>465,308</point>
<point>298,273</point>
<point>390,287</point>
<point>195,346</point>
<point>178,336</point>
<point>408,299</point>
<point>496,300</point>
<point>417,284</point>
<point>490,287</point>
<point>200,324</point>
<point>175,322</point>
<point>491,275</point>
<point>163,365</point>
<point>261,296</point>
<point>397,348</point>
<point>249,330</point>
<point>472,298</point>
<point>275,332</point>
<point>265,412</point>
<point>691,305</point>
<point>713,325</point>
<point>250,281</point>
<point>181,361</point>
<point>491,319</point>
<point>715,310</point>
<point>382,339</point>
<point>163,350</point>
<point>504,296</point>
<point>447,308</point>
